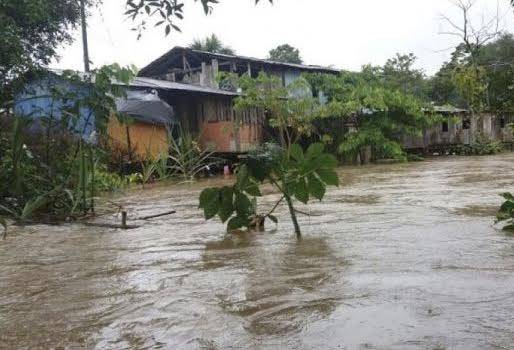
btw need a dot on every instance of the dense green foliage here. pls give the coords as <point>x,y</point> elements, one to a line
<point>285,53</point>
<point>50,172</point>
<point>187,159</point>
<point>380,104</point>
<point>292,172</point>
<point>482,145</point>
<point>484,81</point>
<point>399,74</point>
<point>30,33</point>
<point>212,44</point>
<point>289,110</point>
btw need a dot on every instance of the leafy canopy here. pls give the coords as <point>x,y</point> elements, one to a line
<point>211,44</point>
<point>286,53</point>
<point>378,102</point>
<point>290,109</point>
<point>484,82</point>
<point>30,33</point>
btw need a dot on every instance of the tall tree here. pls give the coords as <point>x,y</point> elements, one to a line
<point>399,74</point>
<point>378,112</point>
<point>497,60</point>
<point>469,74</point>
<point>211,44</point>
<point>442,88</point>
<point>286,53</point>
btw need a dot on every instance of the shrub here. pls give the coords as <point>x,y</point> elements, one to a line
<point>506,213</point>
<point>294,173</point>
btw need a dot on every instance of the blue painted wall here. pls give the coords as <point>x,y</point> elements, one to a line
<point>38,101</point>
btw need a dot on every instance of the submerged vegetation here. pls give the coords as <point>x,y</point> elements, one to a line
<point>506,213</point>
<point>378,112</point>
<point>295,174</point>
<point>187,158</point>
<point>483,145</point>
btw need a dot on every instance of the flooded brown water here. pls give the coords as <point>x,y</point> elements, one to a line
<point>400,257</point>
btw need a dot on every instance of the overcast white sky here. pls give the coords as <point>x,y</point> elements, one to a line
<point>341,33</point>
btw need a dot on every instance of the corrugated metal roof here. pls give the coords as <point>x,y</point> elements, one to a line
<point>180,50</point>
<point>150,83</point>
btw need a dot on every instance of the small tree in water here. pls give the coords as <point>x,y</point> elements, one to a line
<point>506,213</point>
<point>296,174</point>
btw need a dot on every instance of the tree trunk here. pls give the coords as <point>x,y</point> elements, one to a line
<point>293,216</point>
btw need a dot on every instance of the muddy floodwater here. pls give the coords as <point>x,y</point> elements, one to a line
<point>401,256</point>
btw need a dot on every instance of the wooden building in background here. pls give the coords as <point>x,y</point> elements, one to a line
<point>459,127</point>
<point>188,81</point>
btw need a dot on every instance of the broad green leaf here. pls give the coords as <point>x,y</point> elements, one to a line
<point>315,150</point>
<point>237,223</point>
<point>252,188</point>
<point>242,176</point>
<point>508,196</point>
<point>326,161</point>
<point>258,167</point>
<point>227,204</point>
<point>316,188</point>
<point>507,207</point>
<point>301,192</point>
<point>210,202</point>
<point>296,152</point>
<point>328,176</point>
<point>243,204</point>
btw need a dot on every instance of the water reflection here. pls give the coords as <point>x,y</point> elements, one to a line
<point>280,293</point>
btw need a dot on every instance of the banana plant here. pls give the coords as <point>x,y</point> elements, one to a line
<point>297,175</point>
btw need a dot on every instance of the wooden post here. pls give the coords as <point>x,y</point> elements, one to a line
<point>124,220</point>
<point>92,159</point>
<point>129,144</point>
<point>215,71</point>
<point>249,67</point>
<point>171,77</point>
<point>203,75</point>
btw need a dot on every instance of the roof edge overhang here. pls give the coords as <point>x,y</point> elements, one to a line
<point>152,69</point>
